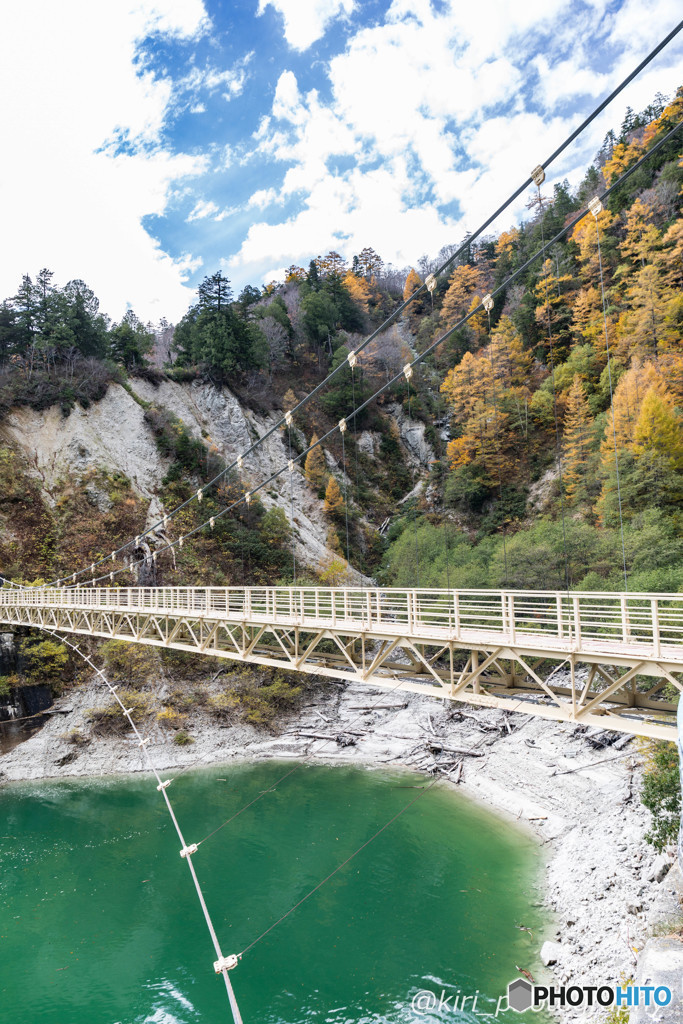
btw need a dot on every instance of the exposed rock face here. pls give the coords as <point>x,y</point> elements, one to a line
<point>112,435</point>
<point>412,435</point>
<point>8,654</point>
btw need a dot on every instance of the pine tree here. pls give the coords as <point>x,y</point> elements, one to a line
<point>315,469</point>
<point>577,426</point>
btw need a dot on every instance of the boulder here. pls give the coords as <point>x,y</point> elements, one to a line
<point>550,953</point>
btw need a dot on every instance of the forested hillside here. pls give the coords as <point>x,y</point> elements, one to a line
<point>541,445</point>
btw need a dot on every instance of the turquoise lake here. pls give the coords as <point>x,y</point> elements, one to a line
<point>100,922</point>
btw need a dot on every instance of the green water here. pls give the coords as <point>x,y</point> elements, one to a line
<point>100,923</point>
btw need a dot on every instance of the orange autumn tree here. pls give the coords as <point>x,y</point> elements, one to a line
<point>464,282</point>
<point>485,391</point>
<point>417,307</point>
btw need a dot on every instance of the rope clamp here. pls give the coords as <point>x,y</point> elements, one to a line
<point>92,569</point>
<point>595,206</point>
<point>430,281</point>
<point>289,418</point>
<point>342,426</point>
<point>353,359</point>
<point>247,497</point>
<point>408,371</point>
<point>291,465</point>
<point>225,963</point>
<point>164,785</point>
<point>144,742</point>
<point>164,522</point>
<point>180,541</point>
<point>538,175</point>
<point>239,461</point>
<point>200,494</point>
<point>187,851</point>
<point>111,576</point>
<point>137,542</point>
<point>154,555</point>
<point>73,578</point>
<point>488,302</point>
<point>113,556</point>
<point>212,522</point>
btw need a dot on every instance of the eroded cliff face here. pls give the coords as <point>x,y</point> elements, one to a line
<point>112,435</point>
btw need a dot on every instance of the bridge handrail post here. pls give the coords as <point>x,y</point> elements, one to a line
<point>511,618</point>
<point>625,625</point>
<point>656,642</point>
<point>560,621</point>
<point>456,614</point>
<point>577,622</point>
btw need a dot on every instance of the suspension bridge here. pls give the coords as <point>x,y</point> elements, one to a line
<point>602,659</point>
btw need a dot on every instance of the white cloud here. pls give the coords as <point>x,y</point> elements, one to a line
<point>203,208</point>
<point>69,86</point>
<point>307,20</point>
<point>263,197</point>
<point>443,106</point>
<point>209,79</point>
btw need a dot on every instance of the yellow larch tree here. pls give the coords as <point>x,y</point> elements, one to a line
<point>659,431</point>
<point>315,469</point>
<point>334,500</point>
<point>358,288</point>
<point>416,308</point>
<point>585,234</point>
<point>464,282</point>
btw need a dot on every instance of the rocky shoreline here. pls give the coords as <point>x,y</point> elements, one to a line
<point>606,888</point>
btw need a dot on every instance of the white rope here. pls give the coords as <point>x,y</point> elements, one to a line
<point>186,851</point>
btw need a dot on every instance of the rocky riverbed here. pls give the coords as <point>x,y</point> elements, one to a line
<point>607,889</point>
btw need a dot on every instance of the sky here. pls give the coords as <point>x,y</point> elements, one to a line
<point>148,143</point>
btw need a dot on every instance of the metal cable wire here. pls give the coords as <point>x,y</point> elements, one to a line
<point>398,312</point>
<point>401,375</point>
<point>558,456</point>
<point>495,420</point>
<point>360,849</point>
<point>611,399</point>
<point>300,764</point>
<point>186,851</point>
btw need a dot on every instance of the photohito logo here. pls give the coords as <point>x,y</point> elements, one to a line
<point>521,996</point>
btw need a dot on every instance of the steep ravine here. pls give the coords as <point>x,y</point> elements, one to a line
<point>606,888</point>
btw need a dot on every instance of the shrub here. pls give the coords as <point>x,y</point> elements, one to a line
<point>661,793</point>
<point>128,662</point>
<point>182,738</point>
<point>171,719</point>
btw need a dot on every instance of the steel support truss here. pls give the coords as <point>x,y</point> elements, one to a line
<point>613,691</point>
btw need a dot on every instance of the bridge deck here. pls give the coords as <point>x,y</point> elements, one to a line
<point>426,632</point>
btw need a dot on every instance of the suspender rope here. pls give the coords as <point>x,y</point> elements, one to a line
<point>595,206</point>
